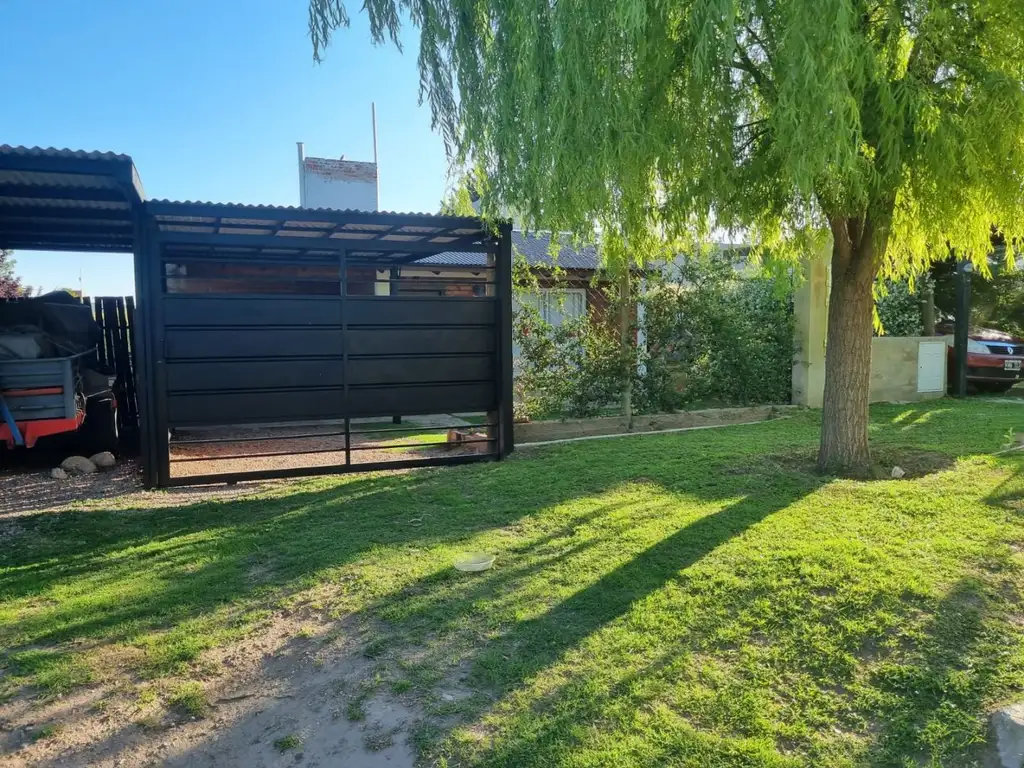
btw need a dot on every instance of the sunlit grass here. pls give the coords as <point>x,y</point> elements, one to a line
<point>693,598</point>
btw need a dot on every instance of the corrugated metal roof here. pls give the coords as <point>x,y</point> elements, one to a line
<point>66,199</point>
<point>263,207</point>
<point>76,154</point>
<point>535,247</point>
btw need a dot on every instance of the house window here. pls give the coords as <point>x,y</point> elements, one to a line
<point>558,305</point>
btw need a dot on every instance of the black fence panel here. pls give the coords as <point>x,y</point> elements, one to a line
<point>284,367</point>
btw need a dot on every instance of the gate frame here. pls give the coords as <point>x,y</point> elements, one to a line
<point>382,239</point>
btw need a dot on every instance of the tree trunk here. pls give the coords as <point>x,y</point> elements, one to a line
<point>626,346</point>
<point>844,420</point>
<point>928,305</point>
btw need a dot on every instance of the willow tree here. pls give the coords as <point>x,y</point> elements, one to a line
<point>896,124</point>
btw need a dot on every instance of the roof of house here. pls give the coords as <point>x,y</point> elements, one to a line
<point>535,247</point>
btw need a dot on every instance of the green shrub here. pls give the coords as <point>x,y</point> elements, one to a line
<point>714,336</point>
<point>711,336</point>
<point>898,309</point>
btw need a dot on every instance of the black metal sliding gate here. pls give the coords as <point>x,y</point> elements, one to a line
<point>260,336</point>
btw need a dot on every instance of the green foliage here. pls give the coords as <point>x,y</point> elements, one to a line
<point>47,731</point>
<point>898,309</point>
<point>52,672</point>
<point>714,336</point>
<point>458,201</point>
<point>285,743</point>
<point>190,698</point>
<point>996,301</point>
<point>573,369</point>
<point>904,116</point>
<point>898,125</point>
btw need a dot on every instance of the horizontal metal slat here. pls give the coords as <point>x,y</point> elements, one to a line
<point>254,407</point>
<point>421,370</point>
<point>425,341</point>
<point>222,344</point>
<point>193,409</point>
<point>400,310</point>
<point>195,311</point>
<point>409,401</point>
<point>253,374</point>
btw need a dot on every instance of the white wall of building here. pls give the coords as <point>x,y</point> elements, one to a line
<point>341,184</point>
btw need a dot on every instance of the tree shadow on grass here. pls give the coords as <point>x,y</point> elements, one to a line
<point>121,573</point>
<point>252,552</point>
<point>512,656</point>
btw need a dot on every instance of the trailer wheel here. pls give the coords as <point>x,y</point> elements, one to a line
<point>99,430</point>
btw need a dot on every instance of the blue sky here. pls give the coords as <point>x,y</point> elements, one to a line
<point>209,99</point>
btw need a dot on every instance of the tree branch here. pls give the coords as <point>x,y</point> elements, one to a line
<point>759,41</point>
<point>750,124</point>
<point>757,135</point>
<point>760,79</point>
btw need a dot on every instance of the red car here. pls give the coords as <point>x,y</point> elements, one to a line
<point>994,360</point>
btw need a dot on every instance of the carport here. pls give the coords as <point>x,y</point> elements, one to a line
<point>247,315</point>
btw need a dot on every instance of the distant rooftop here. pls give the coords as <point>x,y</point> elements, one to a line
<point>535,247</point>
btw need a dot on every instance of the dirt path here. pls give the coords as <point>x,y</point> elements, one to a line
<point>296,691</point>
<point>283,699</point>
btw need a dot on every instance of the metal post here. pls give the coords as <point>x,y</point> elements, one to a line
<point>376,170</point>
<point>394,273</point>
<point>502,278</point>
<point>301,148</point>
<point>142,320</point>
<point>343,284</point>
<point>160,436</point>
<point>961,329</point>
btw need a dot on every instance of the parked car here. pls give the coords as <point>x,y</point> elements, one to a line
<point>995,360</point>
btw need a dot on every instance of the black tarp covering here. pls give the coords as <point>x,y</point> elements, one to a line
<point>67,324</point>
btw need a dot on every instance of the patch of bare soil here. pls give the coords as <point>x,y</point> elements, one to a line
<point>914,463</point>
<point>280,697</point>
<point>259,448</point>
<point>28,491</point>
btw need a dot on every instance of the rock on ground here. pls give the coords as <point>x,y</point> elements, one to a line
<point>103,459</point>
<point>1008,731</point>
<point>78,465</point>
<point>58,474</point>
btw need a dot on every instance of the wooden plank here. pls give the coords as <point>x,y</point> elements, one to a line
<point>109,332</point>
<point>125,368</point>
<point>101,346</point>
<point>129,316</point>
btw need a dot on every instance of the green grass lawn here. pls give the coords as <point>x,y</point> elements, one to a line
<point>695,598</point>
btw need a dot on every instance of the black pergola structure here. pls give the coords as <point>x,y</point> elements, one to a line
<point>67,200</point>
<point>279,318</point>
<point>274,315</point>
